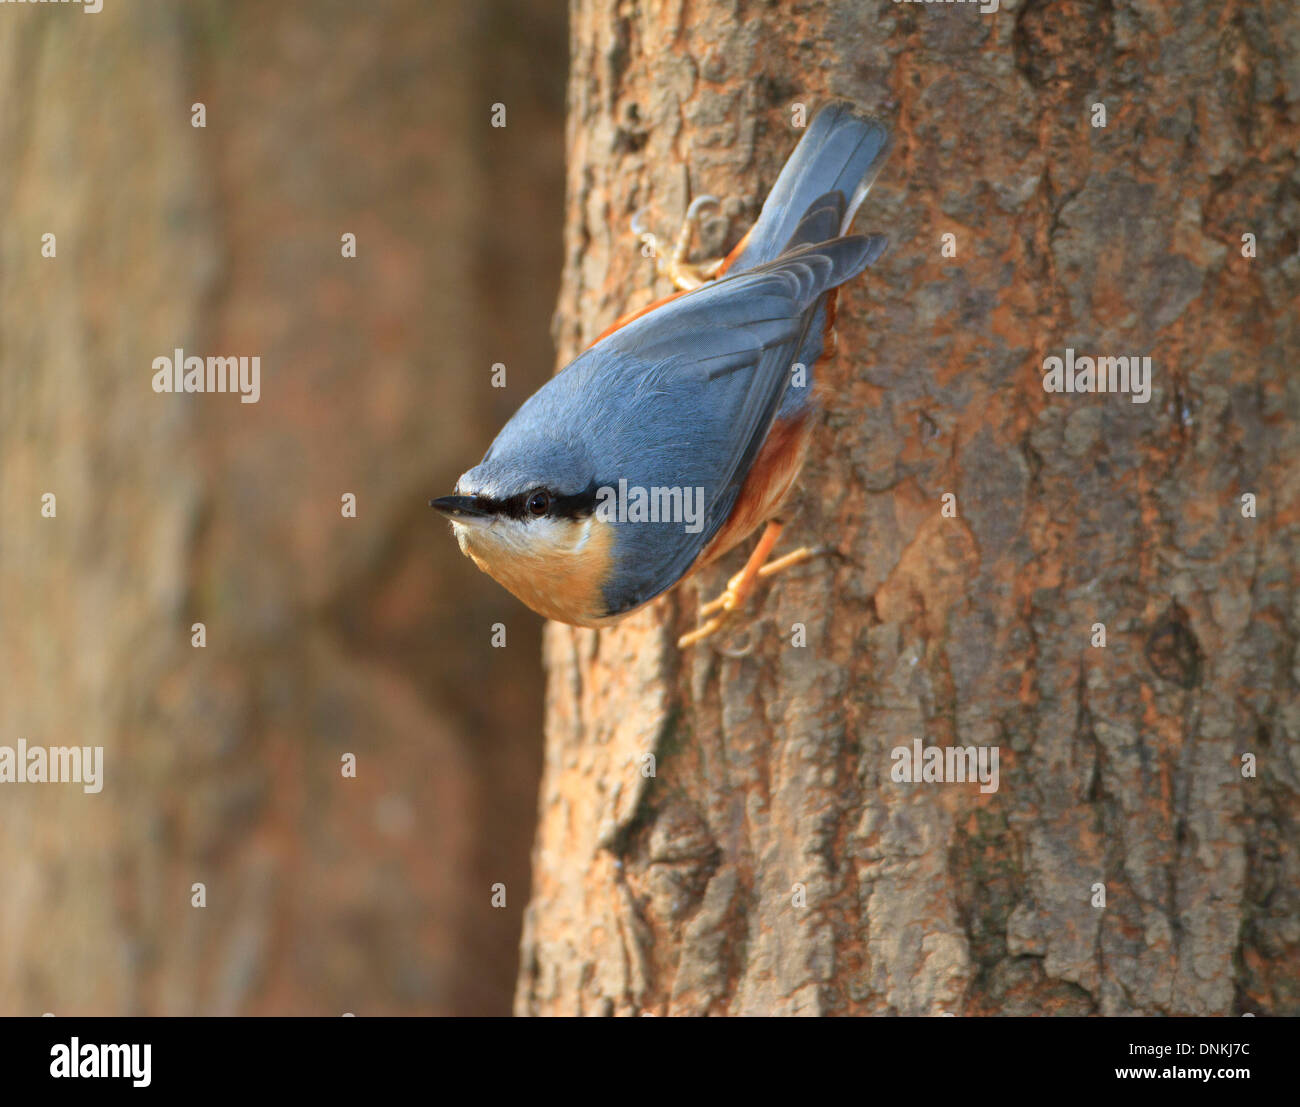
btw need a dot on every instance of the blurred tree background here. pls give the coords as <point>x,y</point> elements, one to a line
<point>325,635</point>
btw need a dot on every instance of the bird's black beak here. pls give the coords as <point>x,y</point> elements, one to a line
<point>459,505</point>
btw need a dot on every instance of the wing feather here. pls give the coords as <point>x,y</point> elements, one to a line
<point>722,356</point>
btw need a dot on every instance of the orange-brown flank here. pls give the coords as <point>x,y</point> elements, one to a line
<point>769,480</point>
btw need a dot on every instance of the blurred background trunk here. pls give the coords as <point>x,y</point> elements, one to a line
<point>1120,766</point>
<point>325,635</point>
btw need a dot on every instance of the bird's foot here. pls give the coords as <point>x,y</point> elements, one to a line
<point>683,274</point>
<point>717,611</point>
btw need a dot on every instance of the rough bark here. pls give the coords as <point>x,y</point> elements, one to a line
<point>1120,765</point>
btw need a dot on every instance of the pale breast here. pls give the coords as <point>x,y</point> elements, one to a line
<point>556,567</point>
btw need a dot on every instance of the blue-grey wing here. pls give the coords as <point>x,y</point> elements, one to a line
<point>695,387</point>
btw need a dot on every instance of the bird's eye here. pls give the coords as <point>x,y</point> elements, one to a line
<point>539,503</point>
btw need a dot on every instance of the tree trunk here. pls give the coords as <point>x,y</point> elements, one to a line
<point>772,864</point>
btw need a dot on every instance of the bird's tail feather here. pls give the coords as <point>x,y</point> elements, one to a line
<point>840,155</point>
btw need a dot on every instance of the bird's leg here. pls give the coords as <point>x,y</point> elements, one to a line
<point>738,584</point>
<point>685,275</point>
<point>742,584</point>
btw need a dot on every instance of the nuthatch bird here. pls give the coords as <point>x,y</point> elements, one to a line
<point>684,426</point>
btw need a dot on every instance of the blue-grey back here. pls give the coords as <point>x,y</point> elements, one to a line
<point>682,397</point>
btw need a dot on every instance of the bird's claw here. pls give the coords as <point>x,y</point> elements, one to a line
<point>683,274</point>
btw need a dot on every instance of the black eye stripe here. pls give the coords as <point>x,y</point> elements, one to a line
<point>576,506</point>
